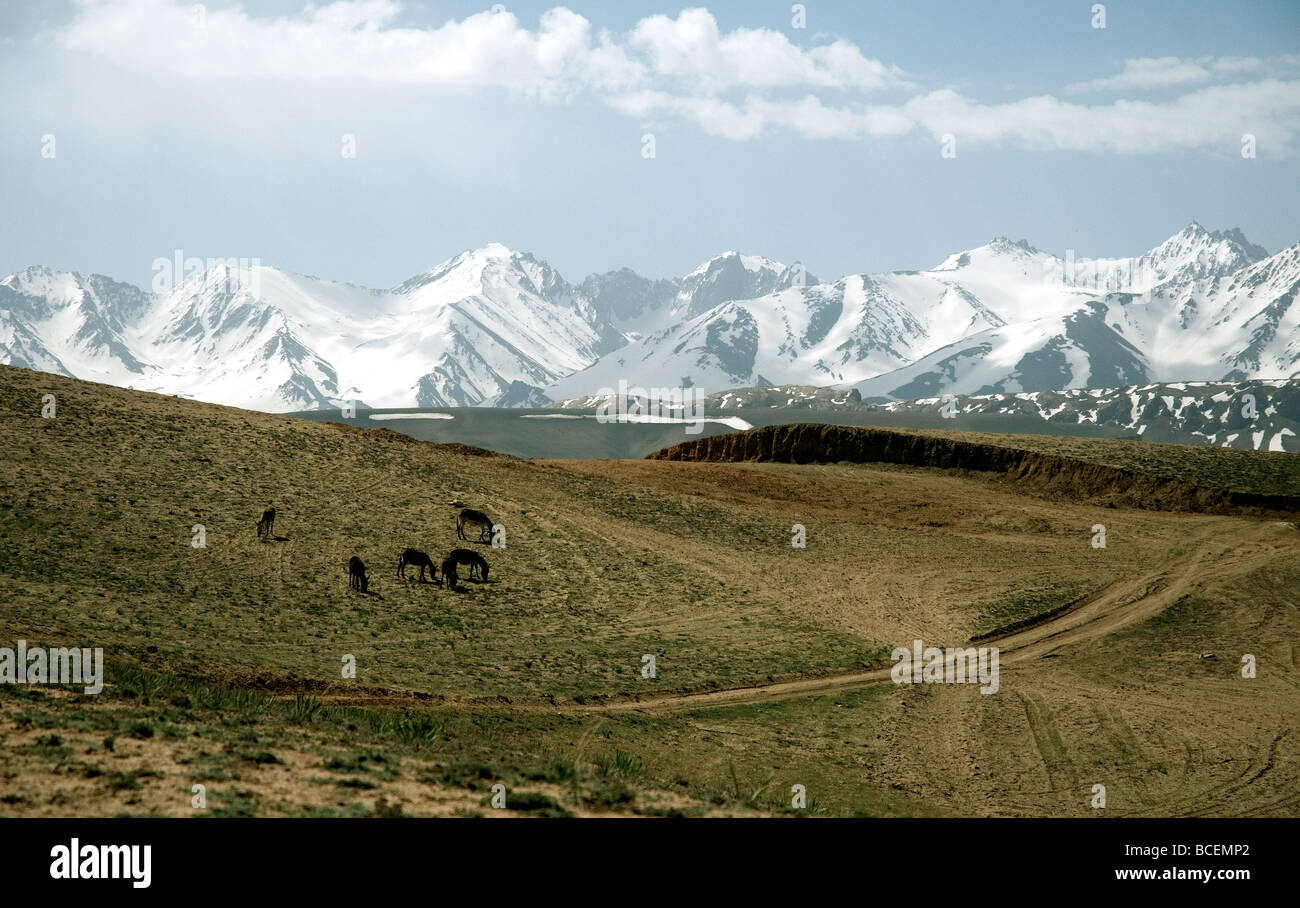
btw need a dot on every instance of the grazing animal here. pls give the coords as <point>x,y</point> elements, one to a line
<point>476,562</point>
<point>266,524</point>
<point>449,575</point>
<point>357,578</point>
<point>471,518</point>
<point>416,558</point>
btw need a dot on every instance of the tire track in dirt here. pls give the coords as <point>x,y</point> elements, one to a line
<point>1047,739</point>
<point>1228,796</point>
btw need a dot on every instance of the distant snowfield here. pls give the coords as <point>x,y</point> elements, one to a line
<point>732,422</point>
<point>411,416</point>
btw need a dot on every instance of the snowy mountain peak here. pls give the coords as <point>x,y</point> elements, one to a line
<point>1228,248</point>
<point>1193,254</point>
<point>1002,255</point>
<point>473,271</point>
<point>37,280</point>
<point>494,251</point>
<point>730,276</point>
<point>470,260</point>
<point>1235,236</point>
<point>1190,241</point>
<point>731,258</point>
<point>1006,246</point>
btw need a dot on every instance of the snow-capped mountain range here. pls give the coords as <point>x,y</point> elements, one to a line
<point>493,326</point>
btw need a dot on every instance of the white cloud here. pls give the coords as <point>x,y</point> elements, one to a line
<point>354,41</point>
<point>1235,65</point>
<point>357,40</point>
<point>755,116</point>
<point>692,47</point>
<point>1147,73</point>
<point>739,84</point>
<point>1212,117</point>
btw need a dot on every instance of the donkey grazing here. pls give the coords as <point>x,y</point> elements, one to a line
<point>449,575</point>
<point>416,558</point>
<point>477,565</point>
<point>266,524</point>
<point>357,578</point>
<point>471,518</point>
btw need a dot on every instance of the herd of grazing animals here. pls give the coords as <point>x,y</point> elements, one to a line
<point>359,580</point>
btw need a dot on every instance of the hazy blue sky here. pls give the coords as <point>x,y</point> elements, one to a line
<point>219,131</point>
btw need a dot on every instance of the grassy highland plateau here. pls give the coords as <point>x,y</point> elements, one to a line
<point>1120,665</point>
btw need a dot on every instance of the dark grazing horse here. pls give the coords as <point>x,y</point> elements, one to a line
<point>476,562</point>
<point>416,558</point>
<point>266,524</point>
<point>449,575</point>
<point>472,518</point>
<point>357,578</point>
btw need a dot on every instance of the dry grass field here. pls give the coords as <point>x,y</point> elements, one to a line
<point>1121,666</point>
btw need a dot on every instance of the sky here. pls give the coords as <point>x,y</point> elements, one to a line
<point>368,140</point>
